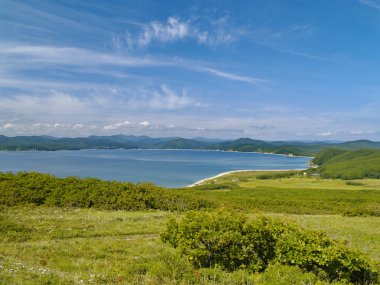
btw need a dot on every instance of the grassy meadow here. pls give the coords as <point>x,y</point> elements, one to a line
<point>69,245</point>
<point>292,193</point>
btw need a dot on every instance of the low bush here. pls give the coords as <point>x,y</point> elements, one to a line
<point>233,242</point>
<point>276,175</point>
<point>43,189</point>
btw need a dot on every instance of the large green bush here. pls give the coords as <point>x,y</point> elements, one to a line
<point>234,242</point>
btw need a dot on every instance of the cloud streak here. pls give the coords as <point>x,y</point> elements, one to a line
<point>29,57</point>
<point>231,76</point>
<point>371,3</point>
<point>70,56</point>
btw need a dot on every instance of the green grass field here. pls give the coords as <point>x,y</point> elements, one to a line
<point>297,194</point>
<point>71,246</point>
<point>52,245</point>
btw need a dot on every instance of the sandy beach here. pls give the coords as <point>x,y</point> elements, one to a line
<point>235,171</point>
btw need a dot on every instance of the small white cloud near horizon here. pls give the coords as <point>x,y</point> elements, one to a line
<point>325,134</point>
<point>145,124</point>
<point>9,126</point>
<point>78,126</point>
<point>116,125</point>
<point>360,132</point>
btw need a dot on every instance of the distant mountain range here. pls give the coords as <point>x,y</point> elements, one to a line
<point>47,143</point>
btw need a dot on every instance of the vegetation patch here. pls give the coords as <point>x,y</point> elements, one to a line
<point>43,189</point>
<point>276,175</point>
<point>233,242</point>
<point>348,165</point>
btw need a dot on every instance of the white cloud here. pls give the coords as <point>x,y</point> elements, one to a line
<point>116,125</point>
<point>78,126</point>
<point>89,106</point>
<point>145,124</point>
<point>174,29</point>
<point>213,32</point>
<point>9,126</point>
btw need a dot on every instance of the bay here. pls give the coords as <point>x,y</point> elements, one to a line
<point>169,168</point>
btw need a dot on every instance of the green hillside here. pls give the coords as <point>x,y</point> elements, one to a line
<point>343,164</point>
<point>181,143</point>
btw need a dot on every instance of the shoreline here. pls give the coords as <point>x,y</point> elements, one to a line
<point>150,149</point>
<point>199,182</point>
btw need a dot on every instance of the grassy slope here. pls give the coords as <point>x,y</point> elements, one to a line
<point>293,195</point>
<point>67,245</point>
<point>113,247</point>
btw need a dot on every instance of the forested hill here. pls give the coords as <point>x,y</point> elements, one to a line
<point>344,164</point>
<point>145,142</point>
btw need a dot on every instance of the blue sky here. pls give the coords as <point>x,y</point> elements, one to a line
<point>272,70</point>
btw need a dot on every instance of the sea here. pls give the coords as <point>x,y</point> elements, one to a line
<point>169,168</point>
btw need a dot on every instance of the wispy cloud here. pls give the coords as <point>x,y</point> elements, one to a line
<point>361,132</point>
<point>86,105</point>
<point>371,3</point>
<point>174,29</point>
<point>164,99</point>
<point>70,56</point>
<point>30,57</point>
<point>56,103</point>
<point>218,32</point>
<point>231,76</point>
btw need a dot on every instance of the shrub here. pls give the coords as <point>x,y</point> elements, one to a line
<point>276,175</point>
<point>43,189</point>
<point>278,274</point>
<point>233,242</point>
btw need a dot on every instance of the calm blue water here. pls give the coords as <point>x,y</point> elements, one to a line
<point>171,168</point>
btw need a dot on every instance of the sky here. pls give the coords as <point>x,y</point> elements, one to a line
<point>264,69</point>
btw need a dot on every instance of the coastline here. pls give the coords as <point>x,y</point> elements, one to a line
<point>199,182</point>
<point>151,149</point>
